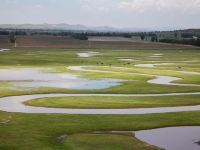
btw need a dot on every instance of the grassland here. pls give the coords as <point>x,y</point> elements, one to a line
<point>59,59</point>
<point>56,131</point>
<point>105,141</point>
<point>115,102</point>
<point>41,131</point>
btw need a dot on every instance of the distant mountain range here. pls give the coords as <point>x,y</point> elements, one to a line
<point>80,27</point>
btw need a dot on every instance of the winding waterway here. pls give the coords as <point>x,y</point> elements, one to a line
<point>15,104</point>
<point>163,80</point>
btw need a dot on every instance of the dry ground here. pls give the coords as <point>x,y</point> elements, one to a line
<point>68,42</point>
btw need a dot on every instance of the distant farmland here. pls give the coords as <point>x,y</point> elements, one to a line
<point>69,42</point>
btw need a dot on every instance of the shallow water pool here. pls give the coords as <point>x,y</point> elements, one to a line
<point>173,138</point>
<point>29,77</point>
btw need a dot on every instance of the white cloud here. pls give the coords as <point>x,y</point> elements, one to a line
<point>96,5</point>
<point>122,13</point>
<point>192,6</point>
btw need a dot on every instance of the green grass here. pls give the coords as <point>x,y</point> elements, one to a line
<point>58,59</point>
<point>4,84</point>
<point>135,72</point>
<point>41,131</point>
<point>20,131</point>
<point>115,102</point>
<point>105,142</point>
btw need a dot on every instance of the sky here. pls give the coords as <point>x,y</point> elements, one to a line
<point>115,13</point>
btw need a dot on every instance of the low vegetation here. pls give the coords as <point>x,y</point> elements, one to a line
<point>106,141</point>
<point>186,42</point>
<point>115,102</point>
<point>61,131</point>
<point>43,131</point>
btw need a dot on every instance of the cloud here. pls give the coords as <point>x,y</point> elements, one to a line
<point>190,6</point>
<point>127,13</point>
<point>97,5</point>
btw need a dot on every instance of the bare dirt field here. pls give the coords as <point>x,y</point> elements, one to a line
<point>114,39</point>
<point>4,42</point>
<point>68,42</point>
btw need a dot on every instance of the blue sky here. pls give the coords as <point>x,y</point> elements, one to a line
<point>116,13</point>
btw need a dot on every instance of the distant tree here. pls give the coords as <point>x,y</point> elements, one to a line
<point>80,36</point>
<point>187,35</point>
<point>185,41</point>
<point>20,33</point>
<point>127,35</point>
<point>142,37</point>
<point>12,37</point>
<point>154,39</point>
<point>176,35</point>
<point>4,33</point>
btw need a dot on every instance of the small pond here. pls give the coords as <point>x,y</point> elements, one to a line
<point>87,54</point>
<point>173,138</point>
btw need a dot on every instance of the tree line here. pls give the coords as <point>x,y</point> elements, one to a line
<point>83,35</point>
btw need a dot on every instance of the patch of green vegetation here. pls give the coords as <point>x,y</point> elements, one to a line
<point>146,72</point>
<point>58,59</point>
<point>4,84</point>
<point>41,131</point>
<point>115,102</point>
<point>105,142</point>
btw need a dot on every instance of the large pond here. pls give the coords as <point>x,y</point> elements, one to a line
<point>173,138</point>
<point>28,77</point>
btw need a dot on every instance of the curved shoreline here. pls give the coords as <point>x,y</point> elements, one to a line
<point>154,65</point>
<point>15,104</point>
<point>162,80</point>
<point>171,138</point>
